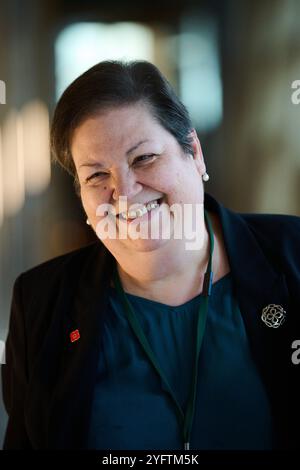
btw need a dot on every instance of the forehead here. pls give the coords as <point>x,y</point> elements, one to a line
<point>117,129</point>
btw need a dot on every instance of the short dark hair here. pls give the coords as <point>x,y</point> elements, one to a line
<point>111,84</point>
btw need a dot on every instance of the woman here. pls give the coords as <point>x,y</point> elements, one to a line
<point>144,342</point>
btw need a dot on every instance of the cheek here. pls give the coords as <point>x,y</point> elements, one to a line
<point>89,202</point>
<point>86,206</point>
<point>167,182</point>
<point>185,186</point>
<point>162,179</point>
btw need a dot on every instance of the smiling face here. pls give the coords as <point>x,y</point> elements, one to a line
<point>124,151</point>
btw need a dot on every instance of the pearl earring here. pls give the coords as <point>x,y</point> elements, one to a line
<point>205,177</point>
<point>88,222</point>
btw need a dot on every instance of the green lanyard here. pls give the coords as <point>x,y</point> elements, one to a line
<point>186,419</point>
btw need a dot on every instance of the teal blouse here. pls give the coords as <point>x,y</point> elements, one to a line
<point>131,408</point>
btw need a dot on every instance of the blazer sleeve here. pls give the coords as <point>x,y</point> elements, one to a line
<point>15,375</point>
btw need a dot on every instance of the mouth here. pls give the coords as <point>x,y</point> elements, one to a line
<point>140,214</point>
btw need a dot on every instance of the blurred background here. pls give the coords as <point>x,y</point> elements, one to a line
<point>233,63</point>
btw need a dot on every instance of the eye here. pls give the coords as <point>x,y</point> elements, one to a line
<point>95,175</point>
<point>143,158</point>
<point>101,174</point>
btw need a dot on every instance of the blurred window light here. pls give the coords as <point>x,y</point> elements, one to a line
<point>2,92</point>
<point>2,352</point>
<point>199,71</point>
<point>1,183</point>
<point>79,46</point>
<point>24,156</point>
<point>35,123</point>
<point>13,164</point>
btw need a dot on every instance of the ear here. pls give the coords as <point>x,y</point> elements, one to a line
<point>197,150</point>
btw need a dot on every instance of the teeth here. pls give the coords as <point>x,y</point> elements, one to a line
<point>152,205</point>
<point>139,212</point>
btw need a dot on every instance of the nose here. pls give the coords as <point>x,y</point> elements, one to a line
<point>125,184</point>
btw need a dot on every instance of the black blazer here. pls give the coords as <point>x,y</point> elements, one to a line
<point>48,380</point>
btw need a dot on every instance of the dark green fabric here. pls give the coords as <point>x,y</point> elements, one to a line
<point>132,409</point>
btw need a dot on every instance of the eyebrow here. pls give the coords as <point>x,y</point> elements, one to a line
<point>128,152</point>
<point>136,146</point>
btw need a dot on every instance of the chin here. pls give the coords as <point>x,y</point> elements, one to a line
<point>148,245</point>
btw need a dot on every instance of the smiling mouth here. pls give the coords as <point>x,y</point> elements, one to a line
<point>140,212</point>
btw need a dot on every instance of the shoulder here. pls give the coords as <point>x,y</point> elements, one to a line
<point>39,291</point>
<point>274,228</point>
<point>278,235</point>
<point>58,263</point>
<point>51,272</point>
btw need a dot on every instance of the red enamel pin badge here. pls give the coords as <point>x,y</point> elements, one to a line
<point>74,336</point>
